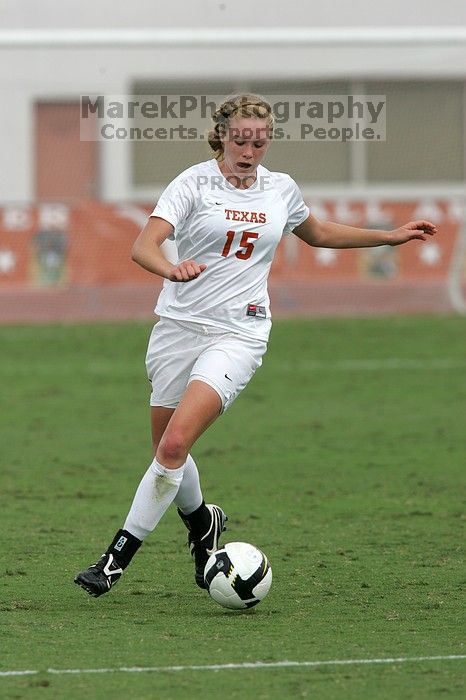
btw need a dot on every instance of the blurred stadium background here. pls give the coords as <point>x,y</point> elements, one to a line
<point>70,209</point>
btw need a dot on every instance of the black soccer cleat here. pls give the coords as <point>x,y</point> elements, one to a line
<point>201,547</point>
<point>99,578</point>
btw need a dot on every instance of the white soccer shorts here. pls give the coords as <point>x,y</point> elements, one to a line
<point>180,351</point>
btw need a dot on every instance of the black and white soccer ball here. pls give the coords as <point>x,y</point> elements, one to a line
<point>238,576</point>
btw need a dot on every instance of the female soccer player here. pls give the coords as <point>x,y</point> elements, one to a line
<point>227,216</point>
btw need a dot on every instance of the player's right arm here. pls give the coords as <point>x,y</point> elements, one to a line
<point>146,252</point>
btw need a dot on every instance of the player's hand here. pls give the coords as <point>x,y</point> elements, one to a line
<point>413,230</point>
<point>186,271</point>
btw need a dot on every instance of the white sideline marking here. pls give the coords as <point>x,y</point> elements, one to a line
<point>440,363</point>
<point>245,665</point>
<point>18,673</point>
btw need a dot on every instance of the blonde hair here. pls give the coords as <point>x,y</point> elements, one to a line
<point>244,105</point>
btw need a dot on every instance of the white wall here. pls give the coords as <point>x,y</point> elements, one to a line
<point>240,13</point>
<point>29,74</point>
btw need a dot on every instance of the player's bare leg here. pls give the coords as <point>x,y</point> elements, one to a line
<point>200,405</point>
<point>198,409</point>
<point>174,431</point>
<point>159,419</point>
<point>204,522</point>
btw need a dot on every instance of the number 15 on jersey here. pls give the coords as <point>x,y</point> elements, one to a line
<point>245,245</point>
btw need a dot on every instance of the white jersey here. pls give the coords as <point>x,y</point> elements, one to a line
<point>235,233</point>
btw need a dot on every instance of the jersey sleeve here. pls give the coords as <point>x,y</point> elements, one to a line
<point>176,202</point>
<point>298,211</point>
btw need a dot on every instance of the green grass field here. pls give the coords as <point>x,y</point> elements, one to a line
<point>343,460</point>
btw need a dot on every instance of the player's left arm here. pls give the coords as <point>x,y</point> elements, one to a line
<point>327,234</point>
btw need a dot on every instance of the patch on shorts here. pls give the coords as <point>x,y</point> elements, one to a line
<point>257,311</point>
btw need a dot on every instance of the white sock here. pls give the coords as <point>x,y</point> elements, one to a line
<point>189,496</point>
<point>154,494</point>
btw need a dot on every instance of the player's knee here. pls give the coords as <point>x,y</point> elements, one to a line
<point>173,448</point>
